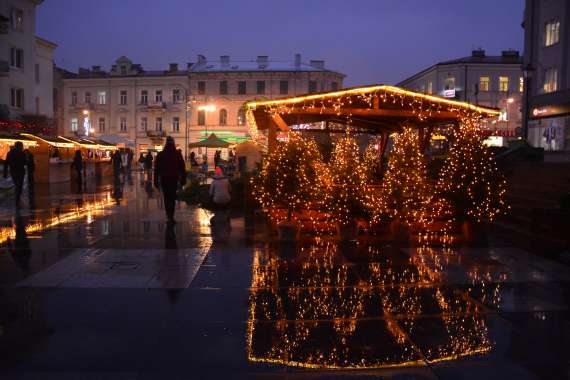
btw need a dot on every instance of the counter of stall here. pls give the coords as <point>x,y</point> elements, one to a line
<point>96,156</point>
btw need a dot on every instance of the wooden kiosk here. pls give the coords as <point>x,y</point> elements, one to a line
<point>96,156</point>
<point>53,157</point>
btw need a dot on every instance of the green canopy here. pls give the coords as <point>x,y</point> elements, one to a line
<point>212,141</point>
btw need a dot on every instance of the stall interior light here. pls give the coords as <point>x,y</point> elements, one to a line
<point>207,108</point>
<point>57,144</point>
<point>13,141</point>
<point>89,144</point>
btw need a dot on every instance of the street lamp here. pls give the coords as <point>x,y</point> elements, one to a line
<point>86,122</point>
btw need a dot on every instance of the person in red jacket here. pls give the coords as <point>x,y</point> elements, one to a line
<point>169,169</point>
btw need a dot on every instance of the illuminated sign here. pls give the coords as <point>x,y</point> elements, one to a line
<point>539,111</point>
<point>449,93</point>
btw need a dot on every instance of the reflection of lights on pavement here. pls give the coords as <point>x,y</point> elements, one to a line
<point>204,217</point>
<point>88,209</point>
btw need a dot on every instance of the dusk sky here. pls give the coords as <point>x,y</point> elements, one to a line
<point>371,41</point>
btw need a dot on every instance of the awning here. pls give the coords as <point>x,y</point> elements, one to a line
<point>212,141</point>
<point>117,140</point>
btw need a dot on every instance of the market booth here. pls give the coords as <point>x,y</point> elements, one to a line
<point>8,141</point>
<point>53,157</point>
<point>96,156</point>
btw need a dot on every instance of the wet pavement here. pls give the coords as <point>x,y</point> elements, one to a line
<point>95,285</point>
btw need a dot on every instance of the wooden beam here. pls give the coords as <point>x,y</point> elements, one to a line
<point>279,122</point>
<point>368,112</point>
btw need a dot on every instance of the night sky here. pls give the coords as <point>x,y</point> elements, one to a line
<point>371,41</point>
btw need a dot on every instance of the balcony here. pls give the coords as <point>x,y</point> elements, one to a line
<point>157,137</point>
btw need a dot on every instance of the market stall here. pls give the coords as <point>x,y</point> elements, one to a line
<point>96,155</point>
<point>8,141</point>
<point>53,157</point>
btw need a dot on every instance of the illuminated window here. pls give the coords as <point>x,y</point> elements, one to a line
<point>503,116</point>
<point>550,80</point>
<point>17,19</point>
<point>144,123</point>
<point>201,117</point>
<point>503,84</point>
<point>144,97</point>
<point>223,117</point>
<point>312,86</point>
<point>158,124</point>
<point>17,97</point>
<point>158,96</point>
<point>176,124</point>
<point>74,124</point>
<point>101,124</point>
<point>123,98</point>
<point>102,97</point>
<point>283,87</point>
<point>484,82</point>
<point>201,87</point>
<point>552,33</point>
<point>521,84</point>
<point>123,124</point>
<point>450,83</point>
<point>430,87</point>
<point>242,87</point>
<point>223,87</point>
<point>241,117</point>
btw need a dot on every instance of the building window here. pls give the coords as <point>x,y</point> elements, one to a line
<point>176,124</point>
<point>176,95</point>
<point>552,33</point>
<point>521,84</point>
<point>201,117</point>
<point>37,72</point>
<point>144,123</point>
<point>74,98</point>
<point>158,124</point>
<point>430,87</point>
<point>484,82</point>
<point>102,97</point>
<point>503,84</point>
<point>123,124</point>
<point>17,97</point>
<point>17,19</point>
<point>550,80</point>
<point>284,87</point>
<point>87,97</point>
<point>223,87</point>
<point>123,98</point>
<point>260,87</point>
<point>450,83</point>
<point>312,86</point>
<point>334,86</point>
<point>74,124</point>
<point>242,87</point>
<point>223,116</point>
<point>158,96</point>
<point>17,57</point>
<point>241,117</point>
<point>201,87</point>
<point>123,70</point>
<point>144,97</point>
<point>101,124</point>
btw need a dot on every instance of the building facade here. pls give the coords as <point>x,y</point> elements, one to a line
<point>547,72</point>
<point>493,81</point>
<point>141,107</point>
<point>26,63</point>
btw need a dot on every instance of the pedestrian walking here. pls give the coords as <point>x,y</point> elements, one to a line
<point>16,162</point>
<point>116,161</point>
<point>141,161</point>
<point>77,165</point>
<point>169,170</point>
<point>129,160</point>
<point>148,162</point>
<point>31,168</point>
<point>220,190</point>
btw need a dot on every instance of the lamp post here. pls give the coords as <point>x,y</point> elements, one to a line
<point>528,70</point>
<point>206,108</point>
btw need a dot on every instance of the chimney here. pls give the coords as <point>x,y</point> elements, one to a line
<point>262,60</point>
<point>480,53</point>
<point>510,53</point>
<point>318,64</point>
<point>201,60</point>
<point>173,67</point>
<point>96,69</point>
<point>225,60</point>
<point>297,60</point>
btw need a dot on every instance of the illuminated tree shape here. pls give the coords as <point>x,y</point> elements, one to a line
<point>345,183</point>
<point>470,179</point>
<point>288,177</point>
<point>406,189</point>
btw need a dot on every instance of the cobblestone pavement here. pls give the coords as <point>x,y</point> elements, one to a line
<point>95,285</point>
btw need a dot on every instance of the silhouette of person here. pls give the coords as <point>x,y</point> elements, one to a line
<point>21,252</point>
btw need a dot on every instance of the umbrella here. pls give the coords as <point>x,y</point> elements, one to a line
<point>211,142</point>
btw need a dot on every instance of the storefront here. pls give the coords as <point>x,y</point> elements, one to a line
<point>549,127</point>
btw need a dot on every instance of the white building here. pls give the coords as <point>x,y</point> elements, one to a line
<point>142,107</point>
<point>26,63</point>
<point>494,81</point>
<point>547,40</point>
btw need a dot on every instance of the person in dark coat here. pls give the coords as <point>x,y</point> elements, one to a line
<point>77,165</point>
<point>31,165</point>
<point>130,156</point>
<point>116,160</point>
<point>16,161</point>
<point>148,162</point>
<point>169,169</point>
